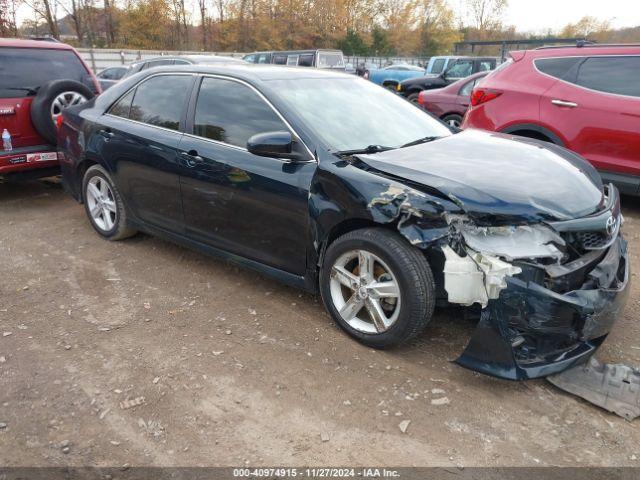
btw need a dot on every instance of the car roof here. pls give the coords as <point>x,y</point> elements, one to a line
<point>195,58</point>
<point>587,50</point>
<point>39,44</point>
<point>254,72</point>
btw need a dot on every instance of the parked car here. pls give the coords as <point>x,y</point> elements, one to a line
<point>390,76</point>
<point>110,76</point>
<point>38,79</point>
<point>365,68</point>
<point>586,99</point>
<point>460,68</point>
<point>451,102</point>
<point>437,65</point>
<point>329,183</point>
<point>330,59</point>
<point>165,60</point>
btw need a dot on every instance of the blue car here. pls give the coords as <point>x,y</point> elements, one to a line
<point>389,77</point>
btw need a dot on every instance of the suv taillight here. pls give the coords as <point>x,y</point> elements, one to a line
<point>483,95</point>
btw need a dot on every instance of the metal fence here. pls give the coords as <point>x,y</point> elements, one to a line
<point>99,59</point>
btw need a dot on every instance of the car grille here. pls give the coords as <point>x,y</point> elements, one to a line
<point>592,240</point>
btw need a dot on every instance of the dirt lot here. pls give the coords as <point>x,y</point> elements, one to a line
<point>236,369</point>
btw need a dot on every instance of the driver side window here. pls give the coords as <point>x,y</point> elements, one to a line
<point>230,112</point>
<point>460,70</point>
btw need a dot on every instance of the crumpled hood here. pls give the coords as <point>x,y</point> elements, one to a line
<point>491,174</point>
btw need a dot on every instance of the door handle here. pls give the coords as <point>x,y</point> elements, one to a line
<point>563,103</point>
<point>107,134</point>
<point>192,158</point>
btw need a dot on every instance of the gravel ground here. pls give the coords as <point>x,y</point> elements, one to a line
<point>145,353</point>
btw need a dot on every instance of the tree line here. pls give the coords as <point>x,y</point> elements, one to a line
<point>358,27</point>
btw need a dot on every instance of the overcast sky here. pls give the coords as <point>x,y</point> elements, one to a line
<point>536,16</point>
<point>541,15</point>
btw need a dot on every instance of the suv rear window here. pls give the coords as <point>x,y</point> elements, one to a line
<point>29,68</point>
<point>557,67</point>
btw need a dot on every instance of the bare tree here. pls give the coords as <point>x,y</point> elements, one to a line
<point>46,10</point>
<point>76,11</point>
<point>203,20</point>
<point>108,23</point>
<point>486,15</point>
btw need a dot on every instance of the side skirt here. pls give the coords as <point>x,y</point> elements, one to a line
<point>287,278</point>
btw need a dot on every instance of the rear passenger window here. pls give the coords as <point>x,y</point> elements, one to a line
<point>230,112</point>
<point>306,60</point>
<point>122,106</point>
<point>280,59</point>
<point>557,67</point>
<point>619,75</point>
<point>465,91</point>
<point>158,63</point>
<point>160,100</point>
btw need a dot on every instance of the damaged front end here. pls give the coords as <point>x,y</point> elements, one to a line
<point>553,299</point>
<point>550,291</point>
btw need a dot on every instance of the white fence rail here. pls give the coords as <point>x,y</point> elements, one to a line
<point>99,59</point>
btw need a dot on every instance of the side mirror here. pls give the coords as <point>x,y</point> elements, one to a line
<point>272,144</point>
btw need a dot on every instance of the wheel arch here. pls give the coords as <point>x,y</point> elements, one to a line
<point>389,82</point>
<point>533,130</point>
<point>80,170</point>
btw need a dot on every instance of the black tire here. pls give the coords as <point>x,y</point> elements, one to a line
<point>41,106</point>
<point>121,229</point>
<point>451,118</point>
<point>413,98</point>
<point>413,274</point>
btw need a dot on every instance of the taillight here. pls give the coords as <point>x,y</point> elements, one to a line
<point>483,95</point>
<point>59,121</point>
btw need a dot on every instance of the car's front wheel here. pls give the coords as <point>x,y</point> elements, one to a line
<point>104,206</point>
<point>377,287</point>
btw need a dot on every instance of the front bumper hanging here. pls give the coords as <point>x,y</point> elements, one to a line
<point>531,331</point>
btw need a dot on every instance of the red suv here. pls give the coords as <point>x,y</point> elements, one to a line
<point>585,98</point>
<point>38,79</point>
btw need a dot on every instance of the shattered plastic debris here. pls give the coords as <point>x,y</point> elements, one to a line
<point>616,388</point>
<point>404,425</point>
<point>135,402</point>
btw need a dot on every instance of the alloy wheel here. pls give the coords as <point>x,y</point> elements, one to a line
<point>365,292</point>
<point>101,204</point>
<point>65,100</point>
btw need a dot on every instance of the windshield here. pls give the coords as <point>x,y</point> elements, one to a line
<point>31,68</point>
<point>351,113</point>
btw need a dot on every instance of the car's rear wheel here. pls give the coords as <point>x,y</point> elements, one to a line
<point>104,206</point>
<point>414,98</point>
<point>377,287</point>
<point>51,100</point>
<point>453,120</point>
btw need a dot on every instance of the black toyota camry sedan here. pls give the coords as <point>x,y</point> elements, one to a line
<point>332,184</point>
